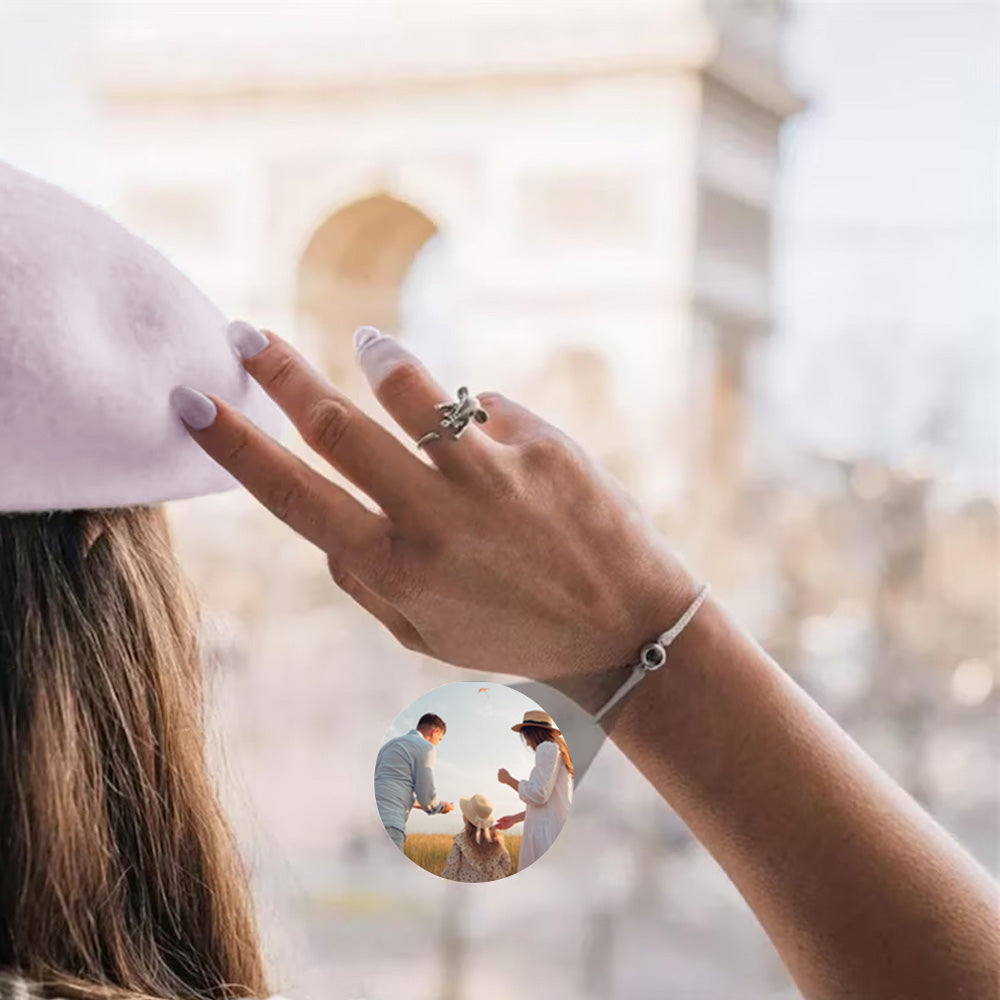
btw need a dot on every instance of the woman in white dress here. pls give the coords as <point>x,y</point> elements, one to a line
<point>547,792</point>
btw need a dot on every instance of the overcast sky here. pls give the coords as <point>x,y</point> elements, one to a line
<point>887,236</point>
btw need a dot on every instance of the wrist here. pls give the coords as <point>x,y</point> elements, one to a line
<point>592,691</point>
<point>702,641</point>
<point>651,600</point>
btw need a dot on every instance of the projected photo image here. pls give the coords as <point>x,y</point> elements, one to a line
<point>474,782</point>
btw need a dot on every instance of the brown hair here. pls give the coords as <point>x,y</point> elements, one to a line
<point>119,876</point>
<point>431,721</point>
<point>484,841</point>
<point>535,736</point>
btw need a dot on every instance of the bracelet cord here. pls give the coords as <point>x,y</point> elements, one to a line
<point>653,654</point>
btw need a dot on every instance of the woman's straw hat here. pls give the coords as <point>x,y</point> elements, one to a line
<point>537,718</point>
<point>478,810</point>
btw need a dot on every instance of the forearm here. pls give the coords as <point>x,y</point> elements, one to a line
<point>424,792</point>
<point>863,894</point>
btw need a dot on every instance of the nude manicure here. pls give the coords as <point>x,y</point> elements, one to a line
<point>379,355</point>
<point>365,335</point>
<point>193,407</point>
<point>246,338</point>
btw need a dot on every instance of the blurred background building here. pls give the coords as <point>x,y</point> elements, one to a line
<point>745,251</point>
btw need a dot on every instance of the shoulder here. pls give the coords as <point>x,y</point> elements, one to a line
<point>547,751</point>
<point>413,742</point>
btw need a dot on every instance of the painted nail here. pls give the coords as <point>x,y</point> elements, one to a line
<point>363,336</point>
<point>246,338</point>
<point>193,407</point>
<point>381,356</point>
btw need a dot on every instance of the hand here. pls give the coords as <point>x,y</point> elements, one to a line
<point>505,778</point>
<point>512,553</point>
<point>506,822</point>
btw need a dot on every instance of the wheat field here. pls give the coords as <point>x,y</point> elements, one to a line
<point>430,850</point>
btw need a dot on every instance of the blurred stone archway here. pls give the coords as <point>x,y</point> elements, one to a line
<point>353,272</point>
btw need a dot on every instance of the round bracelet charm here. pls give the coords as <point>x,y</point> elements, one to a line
<point>652,656</point>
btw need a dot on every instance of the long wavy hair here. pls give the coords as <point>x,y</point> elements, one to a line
<point>535,736</point>
<point>118,874</point>
<point>484,841</point>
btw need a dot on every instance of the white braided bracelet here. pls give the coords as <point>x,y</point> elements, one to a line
<point>653,655</point>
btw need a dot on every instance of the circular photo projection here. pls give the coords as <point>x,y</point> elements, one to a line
<point>473,782</point>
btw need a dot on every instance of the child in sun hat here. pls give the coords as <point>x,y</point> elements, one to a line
<point>478,853</point>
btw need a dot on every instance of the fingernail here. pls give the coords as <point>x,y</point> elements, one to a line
<point>246,338</point>
<point>381,356</point>
<point>193,407</point>
<point>363,336</point>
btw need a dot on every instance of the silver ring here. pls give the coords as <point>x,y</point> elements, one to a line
<point>456,417</point>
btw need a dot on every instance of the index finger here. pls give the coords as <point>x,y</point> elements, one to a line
<point>367,453</point>
<point>308,503</point>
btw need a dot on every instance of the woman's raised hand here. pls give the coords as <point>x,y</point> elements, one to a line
<point>510,551</point>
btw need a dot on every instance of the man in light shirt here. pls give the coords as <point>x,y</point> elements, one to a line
<point>404,776</point>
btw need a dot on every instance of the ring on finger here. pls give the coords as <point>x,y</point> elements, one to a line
<point>455,417</point>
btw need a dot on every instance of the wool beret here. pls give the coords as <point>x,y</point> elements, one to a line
<point>96,329</point>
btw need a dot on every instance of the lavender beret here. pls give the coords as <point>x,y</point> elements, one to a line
<point>96,329</point>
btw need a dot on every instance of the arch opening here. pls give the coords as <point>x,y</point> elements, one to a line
<point>377,261</point>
